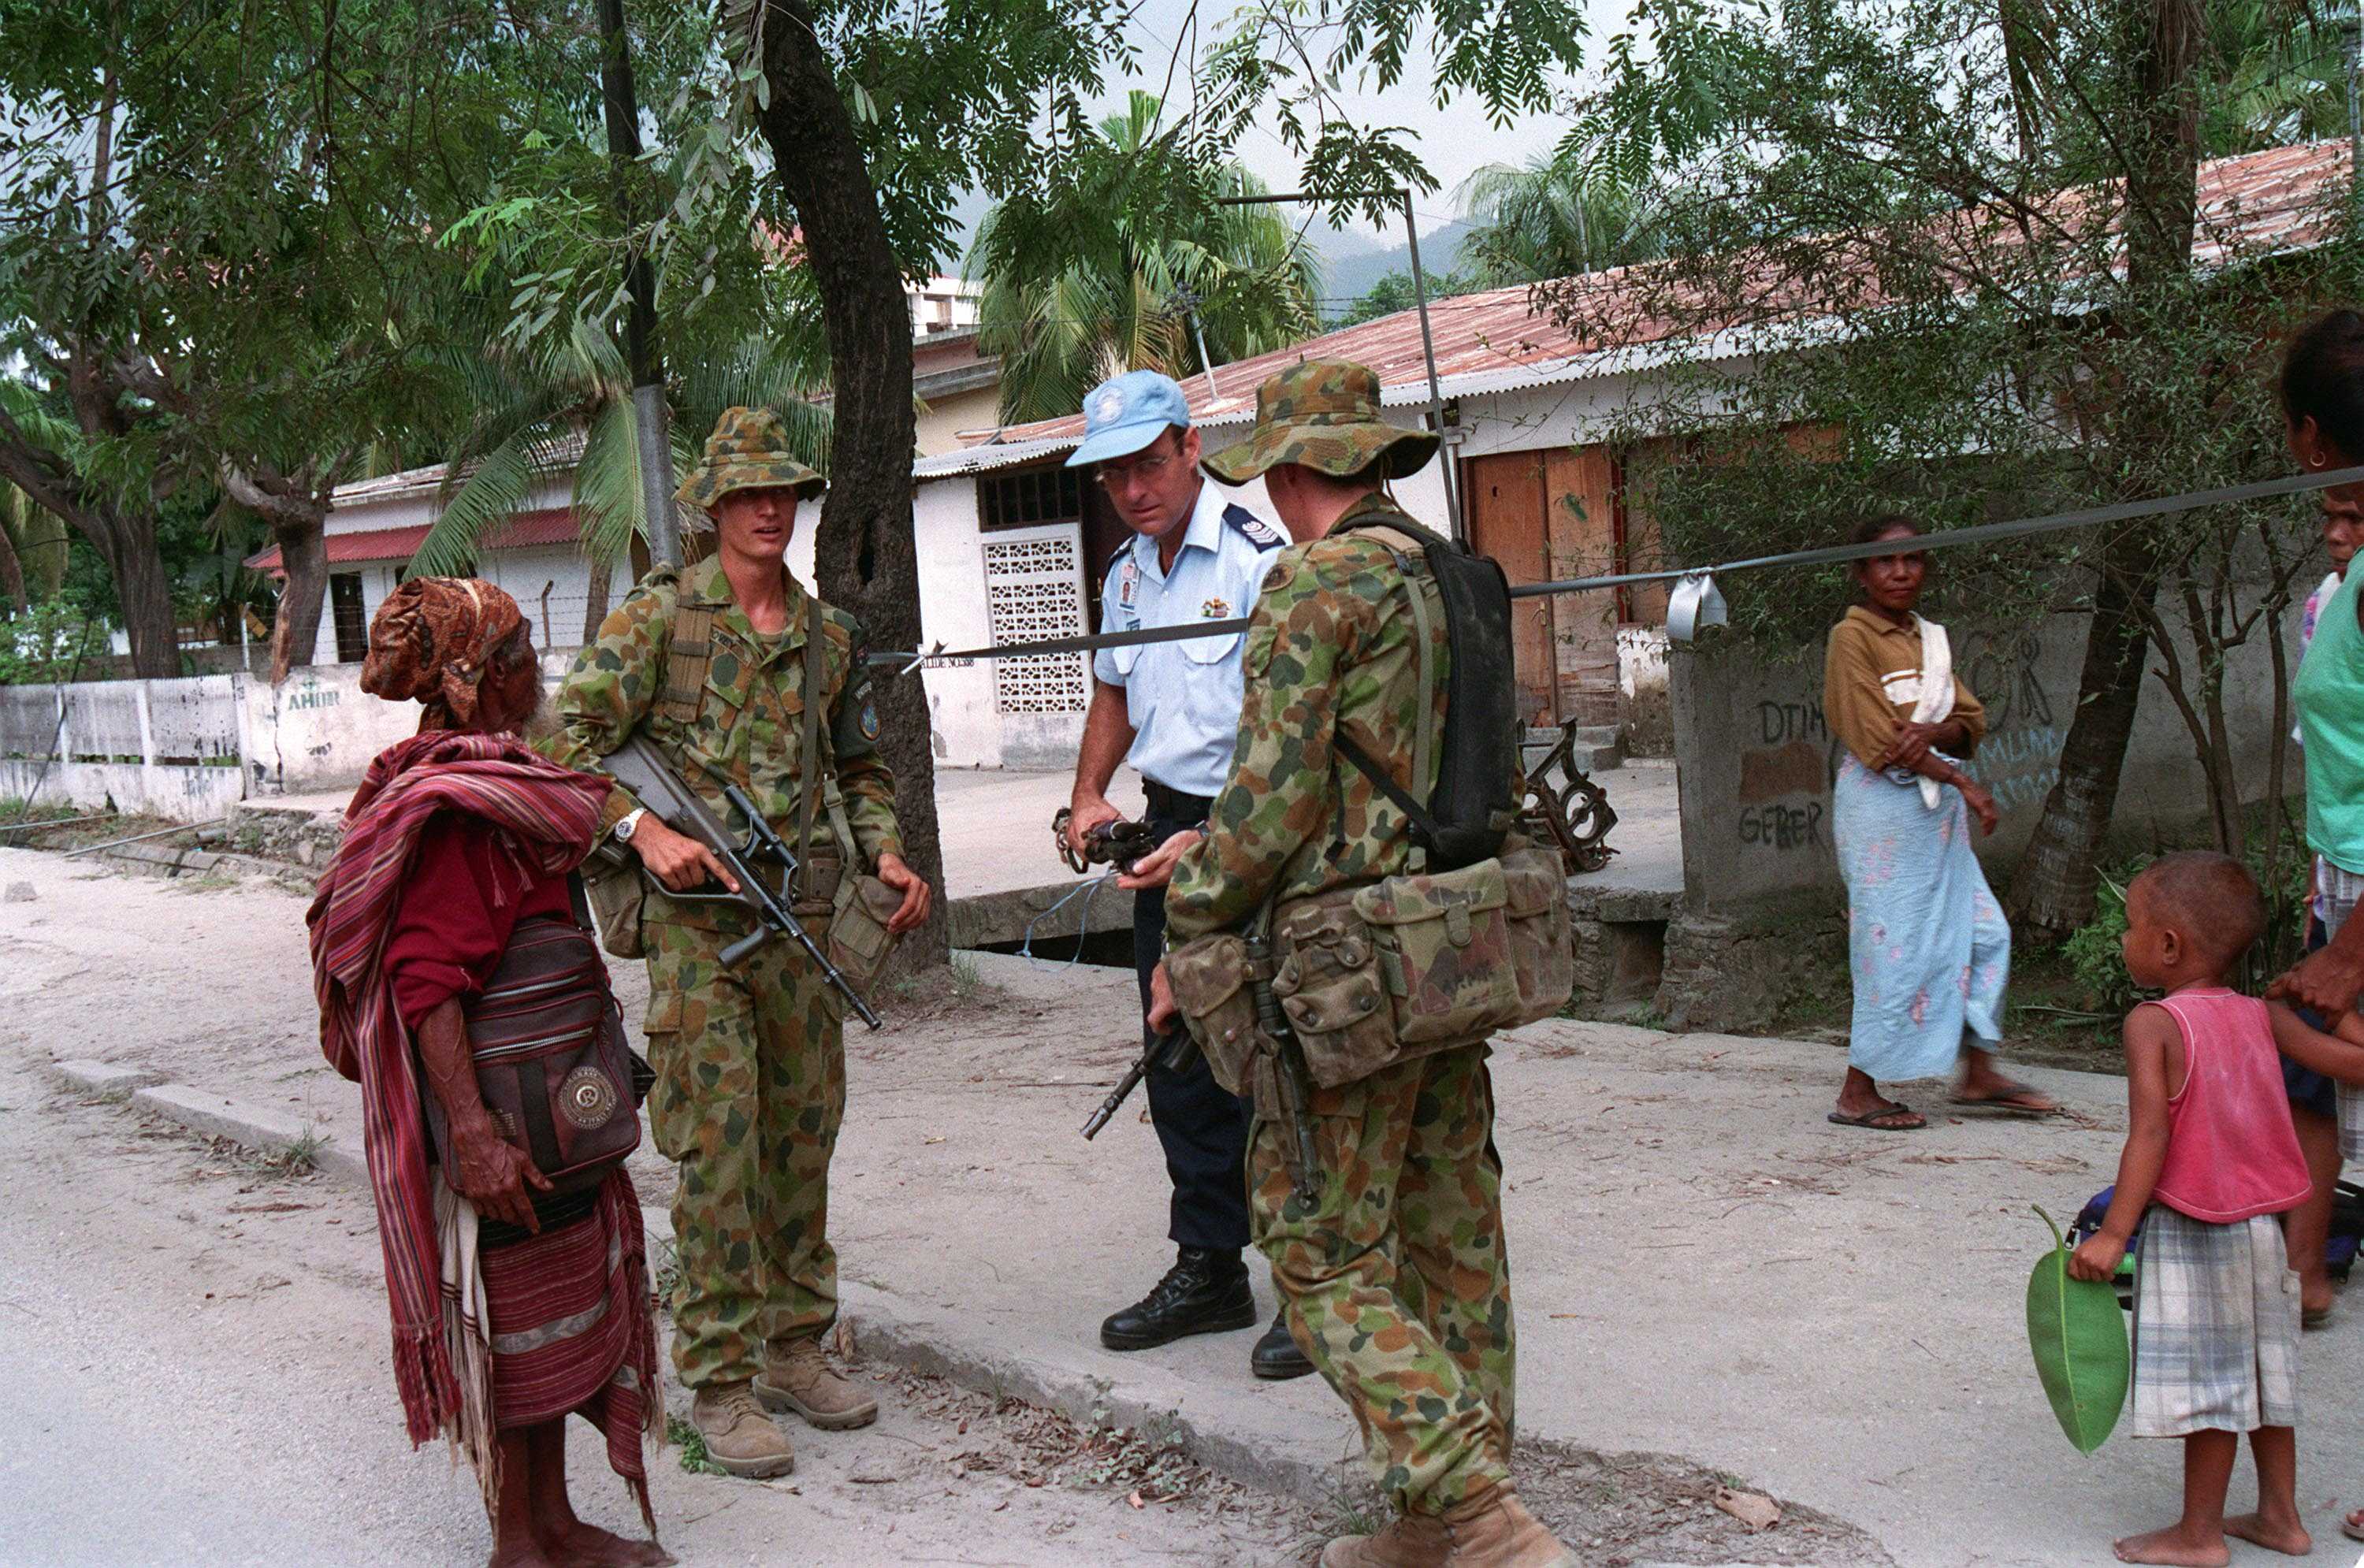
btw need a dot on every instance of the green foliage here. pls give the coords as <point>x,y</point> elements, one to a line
<point>1393,293</point>
<point>2093,952</point>
<point>2079,1336</point>
<point>1106,271</point>
<point>1552,218</point>
<point>692,1443</point>
<point>46,644</point>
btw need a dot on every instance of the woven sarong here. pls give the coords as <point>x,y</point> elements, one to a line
<point>2215,1327</point>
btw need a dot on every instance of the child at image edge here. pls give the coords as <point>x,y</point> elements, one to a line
<point>2211,1162</point>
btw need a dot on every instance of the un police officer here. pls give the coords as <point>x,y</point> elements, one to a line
<point>1173,709</point>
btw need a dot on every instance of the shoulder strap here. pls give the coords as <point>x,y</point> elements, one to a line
<point>689,654</point>
<point>808,757</point>
<point>1407,551</point>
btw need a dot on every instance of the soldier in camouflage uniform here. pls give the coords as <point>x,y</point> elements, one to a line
<point>1396,1277</point>
<point>750,1063</point>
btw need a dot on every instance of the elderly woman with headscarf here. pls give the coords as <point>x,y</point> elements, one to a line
<point>513,1303</point>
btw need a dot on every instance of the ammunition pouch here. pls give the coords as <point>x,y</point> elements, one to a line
<point>613,886</point>
<point>1213,991</point>
<point>858,942</point>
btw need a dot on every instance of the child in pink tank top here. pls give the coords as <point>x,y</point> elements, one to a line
<point>2211,1163</point>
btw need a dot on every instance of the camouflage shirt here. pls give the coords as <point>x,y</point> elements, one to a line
<point>1331,648</point>
<point>750,724</point>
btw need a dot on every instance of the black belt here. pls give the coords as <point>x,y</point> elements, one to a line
<point>1173,806</point>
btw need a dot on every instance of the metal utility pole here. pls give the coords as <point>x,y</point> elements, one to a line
<point>621,103</point>
<point>1402,195</point>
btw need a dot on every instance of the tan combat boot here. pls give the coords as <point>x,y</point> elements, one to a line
<point>1412,1541</point>
<point>739,1437</point>
<point>1493,1530</point>
<point>795,1376</point>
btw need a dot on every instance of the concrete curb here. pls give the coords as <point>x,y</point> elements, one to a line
<point>213,1114</point>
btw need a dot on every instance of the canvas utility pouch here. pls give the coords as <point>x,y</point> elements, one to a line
<point>1542,932</point>
<point>1209,977</point>
<point>859,943</point>
<point>551,1061</point>
<point>1327,978</point>
<point>616,891</point>
<point>820,877</point>
<point>1443,949</point>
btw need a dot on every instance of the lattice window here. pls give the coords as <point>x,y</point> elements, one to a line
<point>1034,589</point>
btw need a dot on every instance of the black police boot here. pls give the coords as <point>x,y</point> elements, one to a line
<point>1275,1355</point>
<point>1203,1293</point>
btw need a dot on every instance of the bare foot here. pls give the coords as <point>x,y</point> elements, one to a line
<point>2273,1534</point>
<point>2173,1546</point>
<point>588,1546</point>
<point>526,1553</point>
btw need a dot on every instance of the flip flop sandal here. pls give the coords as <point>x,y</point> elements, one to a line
<point>2317,1318</point>
<point>2003,1102</point>
<point>2351,1526</point>
<point>1869,1121</point>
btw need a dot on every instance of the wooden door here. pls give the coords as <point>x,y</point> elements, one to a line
<point>1580,484</point>
<point>1505,503</point>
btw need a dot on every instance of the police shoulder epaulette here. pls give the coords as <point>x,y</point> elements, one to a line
<point>1253,528</point>
<point>1117,560</point>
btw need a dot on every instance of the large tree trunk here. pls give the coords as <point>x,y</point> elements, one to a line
<point>295,628</point>
<point>12,574</point>
<point>128,544</point>
<point>2053,892</point>
<point>865,554</point>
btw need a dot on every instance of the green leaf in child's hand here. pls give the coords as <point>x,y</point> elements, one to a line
<point>2079,1338</point>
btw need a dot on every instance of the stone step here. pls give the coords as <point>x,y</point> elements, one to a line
<point>298,835</point>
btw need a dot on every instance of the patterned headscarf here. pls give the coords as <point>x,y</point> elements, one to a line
<point>430,641</point>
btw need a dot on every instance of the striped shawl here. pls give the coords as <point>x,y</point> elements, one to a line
<point>548,818</point>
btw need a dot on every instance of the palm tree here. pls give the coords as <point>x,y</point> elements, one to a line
<point>2282,74</point>
<point>1549,219</point>
<point>1128,263</point>
<point>564,407</point>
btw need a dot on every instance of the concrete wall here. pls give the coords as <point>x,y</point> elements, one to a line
<point>160,748</point>
<point>1757,758</point>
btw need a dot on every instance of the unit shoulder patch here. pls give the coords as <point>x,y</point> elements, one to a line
<point>1253,528</point>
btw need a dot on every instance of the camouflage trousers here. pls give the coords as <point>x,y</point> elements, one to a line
<point>750,1091</point>
<point>1397,1282</point>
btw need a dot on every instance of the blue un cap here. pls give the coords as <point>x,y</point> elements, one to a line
<point>1126,413</point>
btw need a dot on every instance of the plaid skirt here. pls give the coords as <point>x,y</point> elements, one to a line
<point>2215,1327</point>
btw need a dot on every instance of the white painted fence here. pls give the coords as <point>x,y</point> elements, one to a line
<point>170,749</point>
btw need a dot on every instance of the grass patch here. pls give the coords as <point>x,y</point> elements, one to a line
<point>1352,1511</point>
<point>692,1443</point>
<point>300,1158</point>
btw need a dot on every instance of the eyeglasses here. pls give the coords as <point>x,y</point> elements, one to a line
<point>1108,475</point>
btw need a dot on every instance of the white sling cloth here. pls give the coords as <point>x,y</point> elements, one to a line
<point>1936,702</point>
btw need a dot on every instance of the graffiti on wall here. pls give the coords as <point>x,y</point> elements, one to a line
<point>1792,753</point>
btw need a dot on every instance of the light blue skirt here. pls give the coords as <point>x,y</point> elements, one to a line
<point>1927,943</point>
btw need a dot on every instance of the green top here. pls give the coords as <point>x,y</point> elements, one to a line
<point>2329,693</point>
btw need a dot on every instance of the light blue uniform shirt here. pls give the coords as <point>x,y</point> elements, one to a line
<point>1184,698</point>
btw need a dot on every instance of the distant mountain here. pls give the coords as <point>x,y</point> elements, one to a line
<point>1354,262</point>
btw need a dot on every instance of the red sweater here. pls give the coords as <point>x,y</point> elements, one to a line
<point>452,923</point>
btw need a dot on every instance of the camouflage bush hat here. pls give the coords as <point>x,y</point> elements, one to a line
<point>1325,415</point>
<point>749,450</point>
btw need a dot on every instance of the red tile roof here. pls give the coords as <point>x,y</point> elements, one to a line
<point>552,525</point>
<point>2259,200</point>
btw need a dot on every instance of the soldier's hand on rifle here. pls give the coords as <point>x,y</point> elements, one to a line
<point>1155,869</point>
<point>914,888</point>
<point>1086,813</point>
<point>1162,1014</point>
<point>678,861</point>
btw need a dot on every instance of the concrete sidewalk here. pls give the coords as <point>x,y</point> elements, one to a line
<point>1704,1267</point>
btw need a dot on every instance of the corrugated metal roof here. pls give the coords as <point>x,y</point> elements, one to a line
<point>992,455</point>
<point>1494,342</point>
<point>554,525</point>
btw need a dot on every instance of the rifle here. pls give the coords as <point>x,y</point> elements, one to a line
<point>1295,1092</point>
<point>1173,1050</point>
<point>640,768</point>
<point>1117,844</point>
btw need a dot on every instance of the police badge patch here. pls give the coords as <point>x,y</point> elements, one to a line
<point>1214,609</point>
<point>869,722</point>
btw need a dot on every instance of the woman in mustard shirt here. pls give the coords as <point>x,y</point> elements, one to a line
<point>1927,944</point>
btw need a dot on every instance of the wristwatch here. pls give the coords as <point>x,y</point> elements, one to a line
<point>629,825</point>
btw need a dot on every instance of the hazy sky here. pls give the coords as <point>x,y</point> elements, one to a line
<point>1453,141</point>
